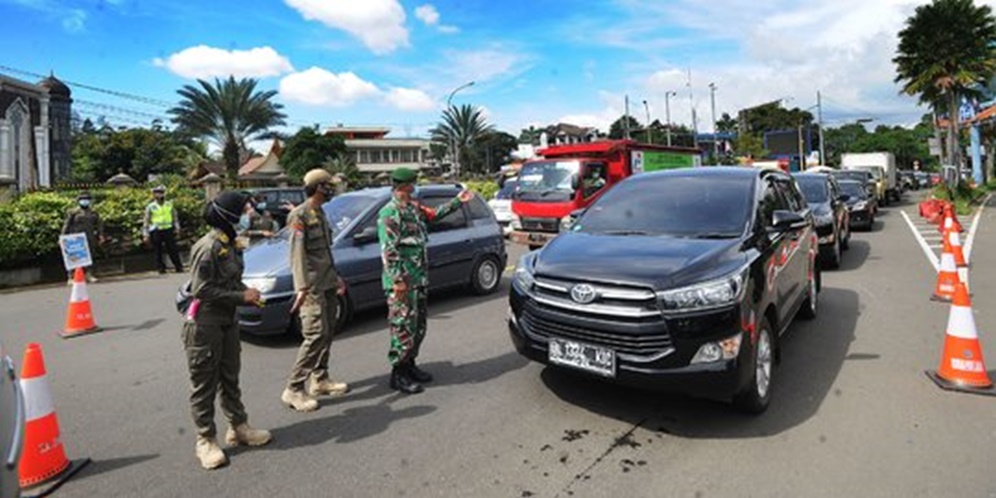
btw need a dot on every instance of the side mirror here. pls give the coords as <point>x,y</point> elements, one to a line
<point>787,221</point>
<point>575,182</point>
<point>368,234</point>
<point>577,213</point>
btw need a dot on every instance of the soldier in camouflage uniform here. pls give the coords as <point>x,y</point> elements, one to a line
<point>403,234</point>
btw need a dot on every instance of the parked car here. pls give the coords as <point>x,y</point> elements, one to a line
<point>830,214</point>
<point>502,205</point>
<point>908,180</point>
<point>465,249</point>
<point>860,207</point>
<point>693,301</point>
<point>864,177</point>
<point>277,200</point>
<point>12,419</point>
<point>923,178</point>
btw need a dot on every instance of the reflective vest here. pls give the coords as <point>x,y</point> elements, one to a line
<point>162,215</point>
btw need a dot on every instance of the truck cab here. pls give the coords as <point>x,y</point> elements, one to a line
<point>569,178</point>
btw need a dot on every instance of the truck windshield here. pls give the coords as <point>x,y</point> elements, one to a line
<point>547,181</point>
<point>875,171</point>
<point>678,206</point>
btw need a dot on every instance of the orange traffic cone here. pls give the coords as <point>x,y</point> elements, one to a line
<point>956,250</point>
<point>44,466</point>
<point>79,318</point>
<point>947,276</point>
<point>950,220</point>
<point>962,367</point>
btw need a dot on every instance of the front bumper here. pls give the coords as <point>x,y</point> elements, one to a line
<point>860,218</point>
<point>532,238</point>
<point>671,372</point>
<point>271,319</point>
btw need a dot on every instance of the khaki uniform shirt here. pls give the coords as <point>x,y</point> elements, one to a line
<point>216,278</point>
<point>311,249</point>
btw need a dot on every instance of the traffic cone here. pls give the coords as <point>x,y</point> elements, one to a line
<point>962,367</point>
<point>947,276</point>
<point>950,220</point>
<point>956,250</point>
<point>44,466</point>
<point>79,318</point>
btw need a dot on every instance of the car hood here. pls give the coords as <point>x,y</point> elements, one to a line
<point>646,261</point>
<point>267,258</point>
<point>820,208</point>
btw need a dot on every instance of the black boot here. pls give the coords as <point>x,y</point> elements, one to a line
<point>400,381</point>
<point>418,374</point>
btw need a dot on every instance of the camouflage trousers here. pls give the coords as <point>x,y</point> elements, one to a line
<point>407,319</point>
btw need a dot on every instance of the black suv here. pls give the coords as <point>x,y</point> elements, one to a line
<point>829,207</point>
<point>682,280</point>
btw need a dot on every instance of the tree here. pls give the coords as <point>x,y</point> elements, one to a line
<point>749,145</point>
<point>491,150</point>
<point>308,149</point>
<point>726,124</point>
<point>229,113</point>
<point>945,53</point>
<point>618,129</point>
<point>773,117</point>
<point>461,126</point>
<point>345,165</point>
<point>100,153</point>
<point>530,135</point>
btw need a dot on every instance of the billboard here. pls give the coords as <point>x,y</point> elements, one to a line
<point>653,160</point>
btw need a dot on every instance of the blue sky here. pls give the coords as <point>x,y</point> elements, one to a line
<point>536,62</point>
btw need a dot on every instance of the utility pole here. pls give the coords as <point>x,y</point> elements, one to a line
<point>802,160</point>
<point>819,120</point>
<point>715,134</point>
<point>691,104</point>
<point>667,110</point>
<point>650,131</point>
<point>456,153</point>
<point>626,120</point>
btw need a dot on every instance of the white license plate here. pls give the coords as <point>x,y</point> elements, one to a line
<point>594,359</point>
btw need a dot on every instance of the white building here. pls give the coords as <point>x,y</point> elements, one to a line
<point>375,153</point>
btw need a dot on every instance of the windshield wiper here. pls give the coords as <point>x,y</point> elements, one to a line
<point>715,235</point>
<point>625,232</point>
<point>549,191</point>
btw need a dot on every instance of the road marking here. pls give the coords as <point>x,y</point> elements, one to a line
<point>931,257</point>
<point>972,229</point>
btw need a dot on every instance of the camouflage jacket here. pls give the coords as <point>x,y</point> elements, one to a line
<point>403,235</point>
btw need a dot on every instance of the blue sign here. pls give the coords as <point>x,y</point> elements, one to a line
<point>75,251</point>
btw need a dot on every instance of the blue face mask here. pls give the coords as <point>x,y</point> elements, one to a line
<point>84,203</point>
<point>260,206</point>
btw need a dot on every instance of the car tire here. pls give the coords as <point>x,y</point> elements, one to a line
<point>343,313</point>
<point>846,242</point>
<point>834,262</point>
<point>486,276</point>
<point>756,395</point>
<point>810,308</point>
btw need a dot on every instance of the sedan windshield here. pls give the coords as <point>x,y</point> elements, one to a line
<point>853,189</point>
<point>704,206</point>
<point>345,208</point>
<point>814,188</point>
<point>548,180</point>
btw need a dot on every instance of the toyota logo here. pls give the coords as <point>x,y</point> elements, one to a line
<point>583,293</point>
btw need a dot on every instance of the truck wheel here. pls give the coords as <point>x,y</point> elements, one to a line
<point>757,393</point>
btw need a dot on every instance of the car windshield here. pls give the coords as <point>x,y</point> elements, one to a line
<point>548,180</point>
<point>344,209</point>
<point>506,192</point>
<point>814,188</point>
<point>875,172</point>
<point>854,189</point>
<point>700,206</point>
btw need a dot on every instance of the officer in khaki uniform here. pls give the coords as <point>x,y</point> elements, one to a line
<point>316,285</point>
<point>211,334</point>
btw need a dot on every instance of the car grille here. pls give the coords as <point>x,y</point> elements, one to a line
<point>541,224</point>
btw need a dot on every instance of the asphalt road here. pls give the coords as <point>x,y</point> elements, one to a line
<point>853,413</point>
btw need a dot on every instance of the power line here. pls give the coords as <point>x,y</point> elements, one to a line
<point>129,96</point>
<point>108,107</point>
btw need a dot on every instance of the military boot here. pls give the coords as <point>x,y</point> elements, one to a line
<point>243,434</point>
<point>209,453</point>
<point>299,400</point>
<point>400,381</point>
<point>327,387</point>
<point>417,374</point>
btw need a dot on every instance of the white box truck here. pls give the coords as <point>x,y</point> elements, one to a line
<point>882,166</point>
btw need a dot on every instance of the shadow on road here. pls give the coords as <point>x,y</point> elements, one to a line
<point>98,467</point>
<point>812,355</point>
<point>855,256</point>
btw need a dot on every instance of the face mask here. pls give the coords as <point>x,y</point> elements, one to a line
<point>326,191</point>
<point>260,206</point>
<point>243,223</point>
<point>84,203</point>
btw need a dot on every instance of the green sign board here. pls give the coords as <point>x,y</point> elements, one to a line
<point>652,160</point>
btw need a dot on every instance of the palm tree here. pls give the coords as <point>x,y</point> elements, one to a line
<point>461,126</point>
<point>229,113</point>
<point>945,53</point>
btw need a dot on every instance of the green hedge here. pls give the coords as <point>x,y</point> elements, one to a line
<point>485,189</point>
<point>31,224</point>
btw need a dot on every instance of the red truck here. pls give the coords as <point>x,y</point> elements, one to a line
<point>567,178</point>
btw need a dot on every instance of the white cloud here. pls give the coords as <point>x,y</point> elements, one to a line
<point>485,64</point>
<point>207,62</point>
<point>379,24</point>
<point>409,99</point>
<point>427,14</point>
<point>317,86</point>
<point>74,21</point>
<point>448,29</point>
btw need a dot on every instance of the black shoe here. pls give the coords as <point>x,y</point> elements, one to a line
<point>162,272</point>
<point>180,270</point>
<point>417,374</point>
<point>400,381</point>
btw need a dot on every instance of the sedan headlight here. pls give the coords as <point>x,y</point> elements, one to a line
<point>263,285</point>
<point>566,223</point>
<point>823,219</point>
<point>523,276</point>
<point>860,206</point>
<point>707,295</point>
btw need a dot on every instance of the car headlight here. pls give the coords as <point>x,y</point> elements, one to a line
<point>523,276</point>
<point>566,223</point>
<point>263,285</point>
<point>707,295</point>
<point>823,219</point>
<point>860,205</point>
<point>727,349</point>
<point>516,222</point>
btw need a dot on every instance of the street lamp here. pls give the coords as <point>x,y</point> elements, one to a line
<point>715,139</point>
<point>667,112</point>
<point>449,105</point>
<point>650,131</point>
